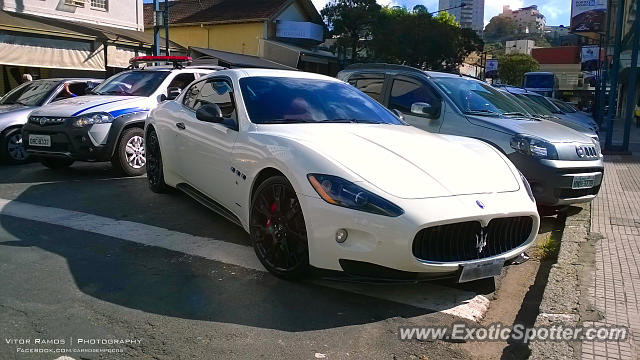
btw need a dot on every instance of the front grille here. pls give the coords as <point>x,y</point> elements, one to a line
<point>587,151</point>
<point>576,193</point>
<point>47,121</point>
<point>460,241</point>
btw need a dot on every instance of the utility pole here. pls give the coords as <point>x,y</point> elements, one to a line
<point>166,25</point>
<point>156,27</point>
<point>631,93</point>
<point>613,93</point>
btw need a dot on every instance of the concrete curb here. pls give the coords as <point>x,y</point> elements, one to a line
<point>561,301</point>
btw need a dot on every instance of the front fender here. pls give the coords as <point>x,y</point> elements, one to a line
<point>120,123</point>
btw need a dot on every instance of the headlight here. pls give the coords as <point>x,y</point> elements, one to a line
<point>535,147</point>
<point>527,186</point>
<point>340,192</point>
<point>90,119</point>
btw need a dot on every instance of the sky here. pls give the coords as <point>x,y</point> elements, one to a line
<point>556,12</point>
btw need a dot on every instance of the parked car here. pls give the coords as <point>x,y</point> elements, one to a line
<point>321,175</point>
<point>571,110</point>
<point>584,121</point>
<point>536,110</point>
<point>16,105</point>
<point>107,125</point>
<point>562,165</point>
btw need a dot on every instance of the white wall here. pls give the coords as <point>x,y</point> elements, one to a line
<point>125,14</point>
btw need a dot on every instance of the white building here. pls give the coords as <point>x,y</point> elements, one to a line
<point>519,47</point>
<point>471,16</point>
<point>528,19</point>
<point>124,14</point>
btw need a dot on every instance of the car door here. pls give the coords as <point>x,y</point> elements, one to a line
<point>371,84</point>
<point>205,148</point>
<point>407,91</point>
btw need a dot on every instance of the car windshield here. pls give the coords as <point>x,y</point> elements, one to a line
<point>534,106</point>
<point>563,106</point>
<point>540,100</point>
<point>132,83</point>
<point>277,100</point>
<point>34,93</point>
<point>476,97</point>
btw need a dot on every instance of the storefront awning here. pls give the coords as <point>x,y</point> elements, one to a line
<point>291,55</point>
<point>33,51</point>
<point>232,60</point>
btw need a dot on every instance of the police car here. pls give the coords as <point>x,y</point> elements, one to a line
<point>108,124</point>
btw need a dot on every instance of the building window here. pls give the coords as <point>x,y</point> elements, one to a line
<point>78,3</point>
<point>99,4</point>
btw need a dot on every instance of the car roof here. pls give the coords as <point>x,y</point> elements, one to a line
<point>69,79</point>
<point>258,72</point>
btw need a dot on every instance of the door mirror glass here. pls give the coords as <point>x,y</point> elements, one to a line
<point>426,110</point>
<point>173,92</point>
<point>210,113</point>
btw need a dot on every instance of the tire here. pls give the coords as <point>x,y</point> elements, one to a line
<point>155,173</point>
<point>129,158</point>
<point>278,231</point>
<point>55,163</point>
<point>12,149</point>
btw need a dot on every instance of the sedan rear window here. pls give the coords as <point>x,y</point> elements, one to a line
<point>271,100</point>
<point>31,94</point>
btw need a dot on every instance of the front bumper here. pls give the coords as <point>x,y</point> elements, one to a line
<point>69,142</point>
<point>551,180</point>
<point>381,242</point>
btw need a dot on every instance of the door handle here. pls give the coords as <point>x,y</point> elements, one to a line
<point>180,126</point>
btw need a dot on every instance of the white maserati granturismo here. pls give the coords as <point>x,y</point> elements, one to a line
<point>320,175</point>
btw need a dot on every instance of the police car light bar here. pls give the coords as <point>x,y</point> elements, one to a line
<point>173,59</point>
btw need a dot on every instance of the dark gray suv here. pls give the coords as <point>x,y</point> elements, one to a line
<point>563,166</point>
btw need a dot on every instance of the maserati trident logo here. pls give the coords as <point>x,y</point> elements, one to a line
<point>481,239</point>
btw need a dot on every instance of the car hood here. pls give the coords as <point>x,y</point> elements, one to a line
<point>93,103</point>
<point>14,114</point>
<point>10,108</point>
<point>407,162</point>
<point>545,129</point>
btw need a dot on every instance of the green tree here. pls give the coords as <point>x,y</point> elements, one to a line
<point>511,68</point>
<point>420,9</point>
<point>350,22</point>
<point>419,40</point>
<point>446,18</point>
<point>500,28</point>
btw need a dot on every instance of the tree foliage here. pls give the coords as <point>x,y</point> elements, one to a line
<point>499,28</point>
<point>351,23</point>
<point>446,18</point>
<point>398,35</point>
<point>511,68</point>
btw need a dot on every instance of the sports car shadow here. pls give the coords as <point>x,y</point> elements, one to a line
<point>161,281</point>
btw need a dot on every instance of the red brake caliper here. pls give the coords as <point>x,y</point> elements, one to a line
<point>271,210</point>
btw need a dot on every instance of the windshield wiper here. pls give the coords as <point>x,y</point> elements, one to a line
<point>347,120</point>
<point>514,113</point>
<point>116,92</point>
<point>482,112</point>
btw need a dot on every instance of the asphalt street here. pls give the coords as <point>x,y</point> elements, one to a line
<point>88,255</point>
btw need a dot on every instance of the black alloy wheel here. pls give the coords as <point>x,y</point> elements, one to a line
<point>278,230</point>
<point>155,175</point>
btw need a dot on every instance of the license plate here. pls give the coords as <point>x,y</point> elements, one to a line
<point>583,182</point>
<point>481,270</point>
<point>40,140</point>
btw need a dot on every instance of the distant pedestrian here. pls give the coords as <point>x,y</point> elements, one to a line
<point>636,113</point>
<point>26,78</point>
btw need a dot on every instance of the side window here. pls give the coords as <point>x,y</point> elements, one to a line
<point>192,94</point>
<point>219,92</point>
<point>370,84</point>
<point>406,91</point>
<point>182,80</point>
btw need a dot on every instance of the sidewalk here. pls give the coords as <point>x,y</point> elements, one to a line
<point>615,286</point>
<point>618,135</point>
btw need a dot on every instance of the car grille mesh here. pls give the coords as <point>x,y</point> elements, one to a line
<point>460,241</point>
<point>47,121</point>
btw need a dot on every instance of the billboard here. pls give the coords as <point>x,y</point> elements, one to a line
<point>589,56</point>
<point>588,15</point>
<point>491,69</point>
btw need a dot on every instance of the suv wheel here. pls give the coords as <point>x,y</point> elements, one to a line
<point>12,150</point>
<point>56,163</point>
<point>129,157</point>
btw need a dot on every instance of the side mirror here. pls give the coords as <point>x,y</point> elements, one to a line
<point>426,110</point>
<point>173,92</point>
<point>210,113</point>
